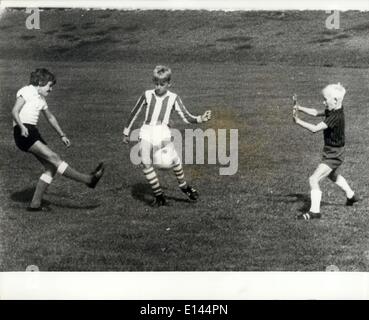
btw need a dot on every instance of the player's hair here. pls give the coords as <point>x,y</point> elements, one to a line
<point>41,76</point>
<point>162,73</point>
<point>336,91</point>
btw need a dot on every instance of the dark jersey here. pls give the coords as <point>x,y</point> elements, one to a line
<point>334,135</point>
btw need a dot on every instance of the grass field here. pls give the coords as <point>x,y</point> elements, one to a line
<point>241,223</point>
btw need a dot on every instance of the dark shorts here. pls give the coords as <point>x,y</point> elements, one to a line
<point>333,156</point>
<point>24,143</point>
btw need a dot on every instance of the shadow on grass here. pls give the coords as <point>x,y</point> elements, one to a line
<point>25,196</point>
<point>305,199</point>
<point>143,193</point>
<point>300,197</point>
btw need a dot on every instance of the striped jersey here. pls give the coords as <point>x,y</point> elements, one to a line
<point>334,135</point>
<point>158,109</point>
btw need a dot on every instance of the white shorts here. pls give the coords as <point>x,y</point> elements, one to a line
<point>155,134</point>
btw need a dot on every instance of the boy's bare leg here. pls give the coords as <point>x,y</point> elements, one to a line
<point>316,194</point>
<point>42,151</point>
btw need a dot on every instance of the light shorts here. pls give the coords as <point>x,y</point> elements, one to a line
<point>156,134</point>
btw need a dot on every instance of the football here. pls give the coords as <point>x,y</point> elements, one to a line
<point>164,157</point>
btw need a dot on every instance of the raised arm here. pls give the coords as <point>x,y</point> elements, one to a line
<point>187,116</point>
<point>55,125</point>
<point>310,111</point>
<point>184,113</point>
<point>309,126</point>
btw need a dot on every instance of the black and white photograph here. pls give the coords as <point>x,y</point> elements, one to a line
<point>152,136</point>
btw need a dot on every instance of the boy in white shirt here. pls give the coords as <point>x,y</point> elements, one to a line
<point>30,102</point>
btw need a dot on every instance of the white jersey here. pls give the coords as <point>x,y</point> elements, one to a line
<point>34,104</point>
<point>159,109</point>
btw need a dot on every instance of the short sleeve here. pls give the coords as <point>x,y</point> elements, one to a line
<point>45,106</point>
<point>22,93</point>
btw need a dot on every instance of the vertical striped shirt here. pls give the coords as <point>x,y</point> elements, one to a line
<point>334,135</point>
<point>158,110</point>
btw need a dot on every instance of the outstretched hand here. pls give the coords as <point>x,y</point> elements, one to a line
<point>125,139</point>
<point>294,99</point>
<point>24,132</point>
<point>66,141</point>
<point>295,115</point>
<point>206,116</point>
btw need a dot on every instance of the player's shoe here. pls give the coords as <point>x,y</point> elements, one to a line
<point>191,193</point>
<point>96,175</point>
<point>351,201</point>
<point>38,209</point>
<point>308,216</point>
<point>159,201</point>
<point>99,167</point>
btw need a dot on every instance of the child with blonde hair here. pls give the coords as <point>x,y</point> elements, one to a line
<point>333,127</point>
<point>155,134</point>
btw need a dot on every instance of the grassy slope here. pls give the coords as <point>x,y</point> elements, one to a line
<point>298,38</point>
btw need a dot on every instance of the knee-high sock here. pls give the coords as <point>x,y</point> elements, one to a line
<point>316,197</point>
<point>67,171</point>
<point>178,171</point>
<point>42,184</point>
<point>342,183</point>
<point>153,180</point>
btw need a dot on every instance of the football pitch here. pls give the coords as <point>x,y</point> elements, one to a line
<point>244,222</point>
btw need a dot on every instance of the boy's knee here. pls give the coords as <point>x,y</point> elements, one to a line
<point>146,157</point>
<point>176,160</point>
<point>54,158</point>
<point>146,162</point>
<point>50,171</point>
<point>147,166</point>
<point>333,176</point>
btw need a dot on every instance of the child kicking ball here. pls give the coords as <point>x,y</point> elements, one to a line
<point>31,101</point>
<point>333,127</point>
<point>155,134</point>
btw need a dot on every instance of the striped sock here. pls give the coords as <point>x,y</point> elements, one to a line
<point>153,180</point>
<point>178,171</point>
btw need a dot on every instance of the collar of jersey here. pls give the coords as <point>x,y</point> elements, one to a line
<point>162,96</point>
